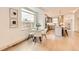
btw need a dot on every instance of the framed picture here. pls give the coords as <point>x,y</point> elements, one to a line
<point>13,23</point>
<point>13,18</point>
<point>13,13</point>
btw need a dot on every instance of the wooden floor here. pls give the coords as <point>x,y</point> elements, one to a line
<point>53,43</point>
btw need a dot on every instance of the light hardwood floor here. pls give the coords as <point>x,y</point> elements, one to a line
<point>70,43</point>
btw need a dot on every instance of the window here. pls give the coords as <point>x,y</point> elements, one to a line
<point>28,18</point>
<point>27,15</point>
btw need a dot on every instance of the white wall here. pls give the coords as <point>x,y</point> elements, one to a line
<point>77,21</point>
<point>9,35</point>
<point>69,18</point>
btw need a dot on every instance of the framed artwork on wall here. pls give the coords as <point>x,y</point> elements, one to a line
<point>13,18</point>
<point>13,23</point>
<point>13,13</point>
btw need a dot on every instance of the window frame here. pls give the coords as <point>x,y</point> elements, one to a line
<point>35,17</point>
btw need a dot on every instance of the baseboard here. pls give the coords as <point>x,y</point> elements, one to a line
<point>12,44</point>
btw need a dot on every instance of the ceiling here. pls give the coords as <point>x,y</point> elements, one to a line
<point>54,11</point>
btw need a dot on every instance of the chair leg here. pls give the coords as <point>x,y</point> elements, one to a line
<point>45,36</point>
<point>34,40</point>
<point>66,32</point>
<point>40,39</point>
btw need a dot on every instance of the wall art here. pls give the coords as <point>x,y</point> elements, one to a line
<point>13,17</point>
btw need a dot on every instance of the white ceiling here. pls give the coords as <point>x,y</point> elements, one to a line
<point>54,11</point>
